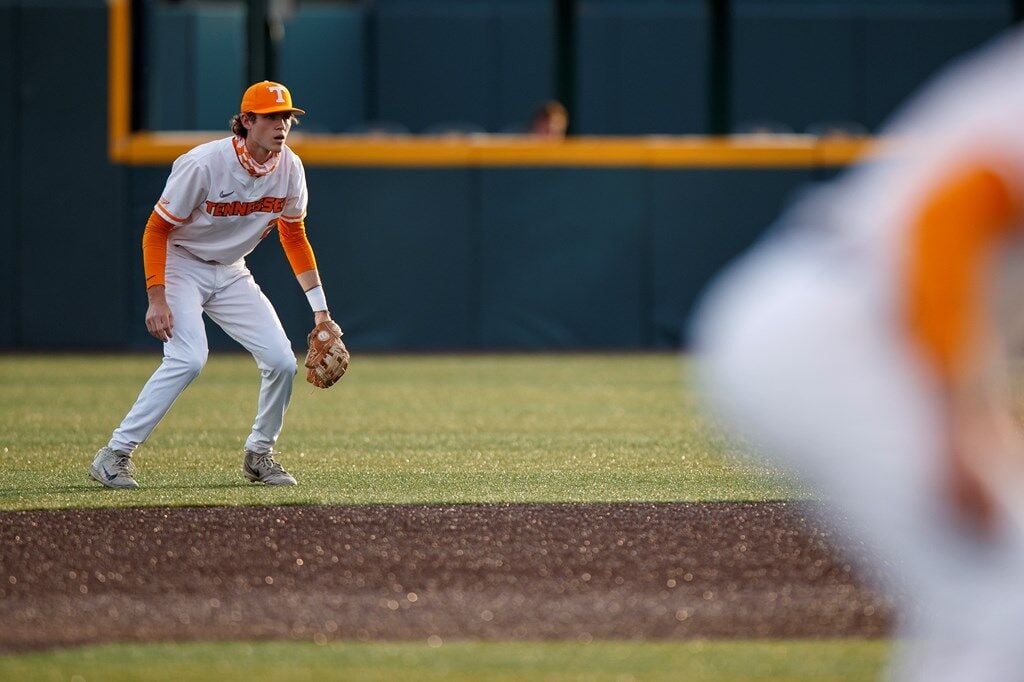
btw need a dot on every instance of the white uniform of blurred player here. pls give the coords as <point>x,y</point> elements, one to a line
<point>864,345</point>
<point>221,199</point>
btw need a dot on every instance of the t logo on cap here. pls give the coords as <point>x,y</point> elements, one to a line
<point>279,89</point>
<point>267,97</point>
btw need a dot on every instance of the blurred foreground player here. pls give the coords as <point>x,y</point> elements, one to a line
<point>221,199</point>
<point>864,345</point>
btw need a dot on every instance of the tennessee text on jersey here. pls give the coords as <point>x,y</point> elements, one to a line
<point>232,208</point>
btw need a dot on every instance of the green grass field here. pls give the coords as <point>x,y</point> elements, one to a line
<point>479,428</point>
<point>397,429</point>
<point>697,661</point>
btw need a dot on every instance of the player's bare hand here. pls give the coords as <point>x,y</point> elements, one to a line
<point>986,459</point>
<point>971,496</point>
<point>159,320</point>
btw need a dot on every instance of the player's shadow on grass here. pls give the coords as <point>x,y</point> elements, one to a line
<point>6,493</point>
<point>10,493</point>
<point>200,486</point>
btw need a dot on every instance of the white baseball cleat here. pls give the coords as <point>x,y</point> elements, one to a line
<point>263,469</point>
<point>114,469</point>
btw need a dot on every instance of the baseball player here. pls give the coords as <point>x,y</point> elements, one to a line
<point>221,199</point>
<point>864,345</point>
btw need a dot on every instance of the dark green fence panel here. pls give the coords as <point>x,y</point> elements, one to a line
<point>10,140</point>
<point>144,188</point>
<point>74,273</point>
<point>805,62</point>
<point>796,63</point>
<point>395,249</point>
<point>525,63</point>
<point>563,258</point>
<point>169,67</point>
<point>323,63</point>
<point>197,58</point>
<point>220,64</point>
<point>906,45</point>
<point>701,219</point>
<point>458,62</point>
<point>642,67</point>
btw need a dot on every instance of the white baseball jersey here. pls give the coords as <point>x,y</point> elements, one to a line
<point>219,211</point>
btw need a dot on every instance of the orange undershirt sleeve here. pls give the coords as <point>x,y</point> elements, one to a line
<point>154,249</point>
<point>950,254</point>
<point>296,245</point>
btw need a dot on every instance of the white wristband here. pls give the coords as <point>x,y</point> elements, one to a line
<point>317,299</point>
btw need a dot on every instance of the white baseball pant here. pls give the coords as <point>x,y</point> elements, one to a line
<point>233,300</point>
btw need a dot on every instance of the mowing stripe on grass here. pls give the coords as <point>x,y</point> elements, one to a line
<point>700,661</point>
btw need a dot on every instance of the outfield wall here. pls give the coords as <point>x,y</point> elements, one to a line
<point>447,246</point>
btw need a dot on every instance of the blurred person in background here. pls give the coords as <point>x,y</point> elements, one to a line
<point>864,345</point>
<point>551,120</point>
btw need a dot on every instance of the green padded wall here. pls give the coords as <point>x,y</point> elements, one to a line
<point>10,123</point>
<point>563,258</point>
<point>72,217</point>
<point>395,249</point>
<point>701,219</point>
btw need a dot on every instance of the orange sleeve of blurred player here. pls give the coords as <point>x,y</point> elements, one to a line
<point>296,245</point>
<point>952,245</point>
<point>154,249</point>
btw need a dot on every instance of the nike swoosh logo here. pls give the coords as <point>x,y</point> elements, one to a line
<point>109,476</point>
<point>150,277</point>
<point>226,194</point>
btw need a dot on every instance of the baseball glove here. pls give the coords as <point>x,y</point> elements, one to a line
<point>327,357</point>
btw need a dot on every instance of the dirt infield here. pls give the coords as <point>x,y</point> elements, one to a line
<point>566,571</point>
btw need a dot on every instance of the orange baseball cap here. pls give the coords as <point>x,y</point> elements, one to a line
<point>268,97</point>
